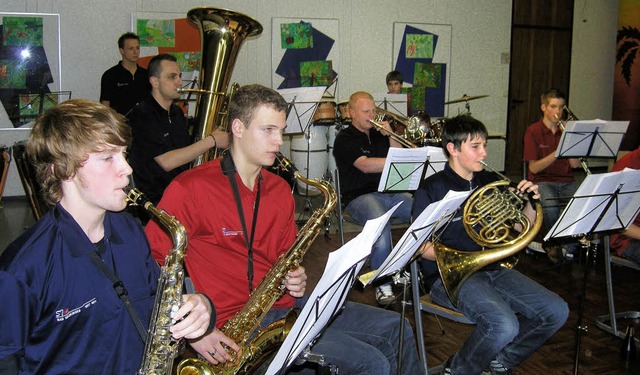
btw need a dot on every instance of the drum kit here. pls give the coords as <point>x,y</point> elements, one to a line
<point>313,150</point>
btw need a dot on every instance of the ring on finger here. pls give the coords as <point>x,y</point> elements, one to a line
<point>213,353</point>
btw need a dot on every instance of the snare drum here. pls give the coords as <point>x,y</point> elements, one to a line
<point>343,108</point>
<point>326,112</point>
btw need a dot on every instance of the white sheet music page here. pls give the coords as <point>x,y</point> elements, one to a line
<point>403,169</point>
<point>330,293</point>
<point>430,220</point>
<point>305,101</point>
<point>590,201</point>
<point>436,160</point>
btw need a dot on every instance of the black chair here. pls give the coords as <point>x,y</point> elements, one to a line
<point>39,205</point>
<point>5,153</point>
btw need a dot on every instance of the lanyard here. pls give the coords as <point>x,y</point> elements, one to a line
<point>229,170</point>
<point>121,291</point>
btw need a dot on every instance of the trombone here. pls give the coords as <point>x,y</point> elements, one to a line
<point>394,136</point>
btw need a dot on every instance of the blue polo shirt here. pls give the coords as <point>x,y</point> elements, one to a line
<point>60,313</point>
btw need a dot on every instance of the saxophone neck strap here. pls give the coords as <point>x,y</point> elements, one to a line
<point>122,293</point>
<point>229,170</point>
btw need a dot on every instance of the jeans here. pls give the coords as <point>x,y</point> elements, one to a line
<point>373,205</point>
<point>514,316</point>
<point>361,339</point>
<point>632,252</point>
<point>554,198</point>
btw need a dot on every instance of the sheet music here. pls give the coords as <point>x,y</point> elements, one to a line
<point>591,138</point>
<point>403,169</point>
<point>430,220</point>
<point>590,203</point>
<point>305,101</point>
<point>330,293</point>
<point>436,160</point>
<point>394,103</point>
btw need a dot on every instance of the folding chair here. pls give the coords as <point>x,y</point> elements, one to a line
<point>609,322</point>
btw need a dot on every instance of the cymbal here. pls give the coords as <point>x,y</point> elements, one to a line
<point>465,98</point>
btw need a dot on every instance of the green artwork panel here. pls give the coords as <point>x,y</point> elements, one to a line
<point>419,46</point>
<point>417,98</point>
<point>12,75</point>
<point>428,75</point>
<point>22,31</point>
<point>316,73</point>
<point>30,104</point>
<point>296,35</point>
<point>187,61</point>
<point>156,33</point>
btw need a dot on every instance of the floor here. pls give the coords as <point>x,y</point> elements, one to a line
<point>599,350</point>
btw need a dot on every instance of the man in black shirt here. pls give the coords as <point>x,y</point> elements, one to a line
<point>126,83</point>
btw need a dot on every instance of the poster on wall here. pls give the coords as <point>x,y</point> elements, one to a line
<point>305,53</point>
<point>626,81</point>
<point>29,65</point>
<point>422,54</point>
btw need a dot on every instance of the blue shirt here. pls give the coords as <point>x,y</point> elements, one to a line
<point>60,313</point>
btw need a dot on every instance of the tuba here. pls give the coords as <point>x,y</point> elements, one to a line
<point>161,348</point>
<point>222,32</point>
<point>489,218</point>
<point>256,348</point>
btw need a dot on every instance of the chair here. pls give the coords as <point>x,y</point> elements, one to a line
<point>39,205</point>
<point>427,305</point>
<point>4,168</point>
<point>609,322</point>
<point>339,212</point>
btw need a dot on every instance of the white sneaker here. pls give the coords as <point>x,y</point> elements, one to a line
<point>384,294</point>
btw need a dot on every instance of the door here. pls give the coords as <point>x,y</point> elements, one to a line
<point>541,34</point>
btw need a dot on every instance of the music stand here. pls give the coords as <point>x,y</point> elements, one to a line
<point>432,219</point>
<point>603,202</point>
<point>36,103</point>
<point>391,102</point>
<point>403,169</point>
<point>329,294</point>
<point>591,139</point>
<point>436,160</point>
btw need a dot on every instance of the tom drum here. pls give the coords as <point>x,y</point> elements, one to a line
<point>326,112</point>
<point>343,108</point>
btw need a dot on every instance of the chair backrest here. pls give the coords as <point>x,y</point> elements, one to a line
<point>32,189</point>
<point>5,160</point>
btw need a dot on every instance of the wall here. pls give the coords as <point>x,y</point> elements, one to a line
<point>480,40</point>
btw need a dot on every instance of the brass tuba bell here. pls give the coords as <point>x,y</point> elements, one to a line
<point>222,32</point>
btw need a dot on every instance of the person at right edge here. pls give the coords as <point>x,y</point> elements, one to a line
<point>553,176</point>
<point>513,315</point>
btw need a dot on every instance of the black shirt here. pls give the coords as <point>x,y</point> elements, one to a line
<point>351,144</point>
<point>122,89</point>
<point>155,131</point>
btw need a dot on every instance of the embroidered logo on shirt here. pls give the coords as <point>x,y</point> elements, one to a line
<point>228,232</point>
<point>122,84</point>
<point>64,314</point>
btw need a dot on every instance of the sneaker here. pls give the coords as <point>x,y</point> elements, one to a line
<point>446,367</point>
<point>384,294</point>
<point>401,278</point>
<point>497,368</point>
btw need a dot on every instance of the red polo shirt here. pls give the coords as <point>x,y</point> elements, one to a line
<point>539,142</point>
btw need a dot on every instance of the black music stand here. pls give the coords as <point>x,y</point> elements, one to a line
<point>328,297</point>
<point>391,102</point>
<point>36,103</point>
<point>603,202</point>
<point>432,219</point>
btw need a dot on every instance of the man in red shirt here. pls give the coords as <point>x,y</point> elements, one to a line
<point>553,176</point>
<point>240,218</point>
<point>627,243</point>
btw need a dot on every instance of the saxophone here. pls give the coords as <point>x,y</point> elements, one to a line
<point>256,349</point>
<point>161,349</point>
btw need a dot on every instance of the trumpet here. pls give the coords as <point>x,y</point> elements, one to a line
<point>572,117</point>
<point>418,127</point>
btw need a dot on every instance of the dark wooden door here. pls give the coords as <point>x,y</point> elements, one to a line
<point>541,34</point>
